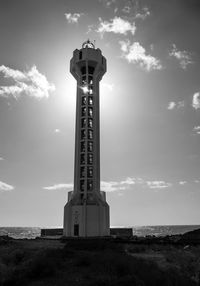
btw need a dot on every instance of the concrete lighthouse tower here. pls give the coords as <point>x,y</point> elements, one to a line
<point>86,213</point>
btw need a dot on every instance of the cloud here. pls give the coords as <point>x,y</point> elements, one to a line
<point>172,105</point>
<point>182,183</point>
<point>107,3</point>
<point>108,86</point>
<point>196,100</point>
<point>1,158</point>
<point>196,129</point>
<point>73,18</point>
<point>59,187</point>
<point>135,53</point>
<point>5,187</point>
<point>144,14</point>
<point>57,130</point>
<point>158,184</point>
<point>117,25</point>
<point>183,57</point>
<point>31,83</point>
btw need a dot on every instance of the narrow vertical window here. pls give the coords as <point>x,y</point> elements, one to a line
<point>90,146</point>
<point>83,134</point>
<point>83,111</point>
<point>83,122</point>
<point>80,55</point>
<point>84,100</point>
<point>82,159</point>
<point>90,111</point>
<point>90,122</point>
<point>90,100</point>
<point>83,146</point>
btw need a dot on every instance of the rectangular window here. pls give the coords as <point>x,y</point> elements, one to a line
<point>90,111</point>
<point>83,111</point>
<point>83,100</point>
<point>90,146</point>
<point>90,100</point>
<point>83,146</point>
<point>83,122</point>
<point>83,70</point>
<point>90,159</point>
<point>80,55</point>
<point>90,90</point>
<point>90,122</point>
<point>90,69</point>
<point>82,185</point>
<point>83,134</point>
<point>90,79</point>
<point>82,171</point>
<point>84,80</point>
<point>90,134</point>
<point>89,185</point>
<point>90,172</point>
<point>82,159</point>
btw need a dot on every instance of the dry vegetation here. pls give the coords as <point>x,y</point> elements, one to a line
<point>95,262</point>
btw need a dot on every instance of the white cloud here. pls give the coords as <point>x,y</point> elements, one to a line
<point>196,100</point>
<point>5,187</point>
<point>59,187</point>
<point>57,130</point>
<point>158,184</point>
<point>182,183</point>
<point>117,25</point>
<point>196,129</point>
<point>1,158</point>
<point>73,18</point>
<point>108,86</point>
<point>135,53</point>
<point>144,14</point>
<point>31,83</point>
<point>183,57</point>
<point>172,105</point>
<point>107,3</point>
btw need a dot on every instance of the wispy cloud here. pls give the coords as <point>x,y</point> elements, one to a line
<point>183,57</point>
<point>196,100</point>
<point>1,158</point>
<point>182,183</point>
<point>31,83</point>
<point>59,187</point>
<point>129,182</point>
<point>143,14</point>
<point>116,25</point>
<point>158,184</point>
<point>5,187</point>
<point>108,86</point>
<point>57,130</point>
<point>73,18</point>
<point>113,186</point>
<point>107,3</point>
<point>196,129</point>
<point>135,53</point>
<point>172,105</point>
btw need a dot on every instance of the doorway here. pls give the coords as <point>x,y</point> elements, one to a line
<point>76,229</point>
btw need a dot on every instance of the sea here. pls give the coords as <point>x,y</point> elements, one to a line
<point>157,230</point>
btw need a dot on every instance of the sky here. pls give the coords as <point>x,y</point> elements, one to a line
<point>149,108</point>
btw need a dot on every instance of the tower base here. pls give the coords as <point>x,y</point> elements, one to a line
<point>86,219</point>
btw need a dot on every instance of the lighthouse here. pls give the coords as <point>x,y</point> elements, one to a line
<point>86,214</point>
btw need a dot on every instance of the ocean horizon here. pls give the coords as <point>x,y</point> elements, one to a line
<point>157,230</point>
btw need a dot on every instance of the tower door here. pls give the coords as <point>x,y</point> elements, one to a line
<point>76,229</point>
